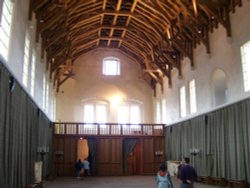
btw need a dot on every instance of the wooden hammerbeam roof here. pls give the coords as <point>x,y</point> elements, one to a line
<point>157,34</point>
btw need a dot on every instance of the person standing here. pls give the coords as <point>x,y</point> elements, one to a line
<point>187,174</point>
<point>179,169</point>
<point>86,167</point>
<point>163,178</point>
<point>78,167</point>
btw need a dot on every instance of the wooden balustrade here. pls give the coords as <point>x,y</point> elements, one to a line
<point>101,129</point>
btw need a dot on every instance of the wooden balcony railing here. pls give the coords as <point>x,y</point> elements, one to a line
<point>64,128</point>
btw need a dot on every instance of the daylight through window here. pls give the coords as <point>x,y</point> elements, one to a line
<point>111,66</point>
<point>245,60</point>
<point>5,28</point>
<point>183,101</point>
<point>192,96</point>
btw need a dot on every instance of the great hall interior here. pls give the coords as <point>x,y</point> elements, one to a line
<point>127,84</point>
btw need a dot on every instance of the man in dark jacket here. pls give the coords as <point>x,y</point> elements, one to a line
<point>187,174</point>
<point>78,167</point>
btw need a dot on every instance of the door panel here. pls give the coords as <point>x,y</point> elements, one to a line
<point>110,156</point>
<point>152,154</point>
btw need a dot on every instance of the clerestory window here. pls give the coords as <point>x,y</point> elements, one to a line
<point>111,66</point>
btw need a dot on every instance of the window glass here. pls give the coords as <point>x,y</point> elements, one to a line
<point>192,96</point>
<point>44,91</point>
<point>95,112</point>
<point>129,113</point>
<point>158,112</point>
<point>163,111</point>
<point>245,60</point>
<point>101,114</point>
<point>111,66</point>
<point>5,28</point>
<point>32,79</point>
<point>183,101</point>
<point>123,114</point>
<point>47,97</point>
<point>26,60</point>
<point>135,114</point>
<point>89,113</point>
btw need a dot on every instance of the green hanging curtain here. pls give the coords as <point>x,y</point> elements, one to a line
<point>19,131</point>
<point>93,154</point>
<point>223,138</point>
<point>128,147</point>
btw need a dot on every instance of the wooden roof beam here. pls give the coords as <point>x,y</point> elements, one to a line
<point>213,9</point>
<point>83,34</point>
<point>179,47</point>
<point>45,25</point>
<point>147,33</point>
<point>140,53</point>
<point>140,38</point>
<point>128,20</point>
<point>83,45</point>
<point>51,41</point>
<point>118,7</point>
<point>83,51</point>
<point>57,62</point>
<point>101,22</point>
<point>153,74</point>
<point>165,16</point>
<point>84,21</point>
<point>35,5</point>
<point>85,8</point>
<point>198,34</point>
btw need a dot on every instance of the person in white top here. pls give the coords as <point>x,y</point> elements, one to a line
<point>86,167</point>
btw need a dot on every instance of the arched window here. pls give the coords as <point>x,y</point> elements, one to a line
<point>95,111</point>
<point>111,66</point>
<point>129,112</point>
<point>219,85</point>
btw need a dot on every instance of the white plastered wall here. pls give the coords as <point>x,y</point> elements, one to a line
<point>21,25</point>
<point>90,83</point>
<point>225,55</point>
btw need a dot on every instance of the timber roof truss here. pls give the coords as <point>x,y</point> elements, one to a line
<point>157,34</point>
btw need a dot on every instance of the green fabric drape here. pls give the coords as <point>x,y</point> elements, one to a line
<point>223,137</point>
<point>19,134</point>
<point>44,138</point>
<point>92,144</point>
<point>128,147</point>
<point>4,130</point>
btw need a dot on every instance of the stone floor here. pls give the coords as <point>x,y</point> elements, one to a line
<point>111,182</point>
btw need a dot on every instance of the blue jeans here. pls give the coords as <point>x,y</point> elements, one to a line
<point>186,185</point>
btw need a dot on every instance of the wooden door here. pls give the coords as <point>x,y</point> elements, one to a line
<point>110,156</point>
<point>134,161</point>
<point>64,165</point>
<point>152,154</point>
